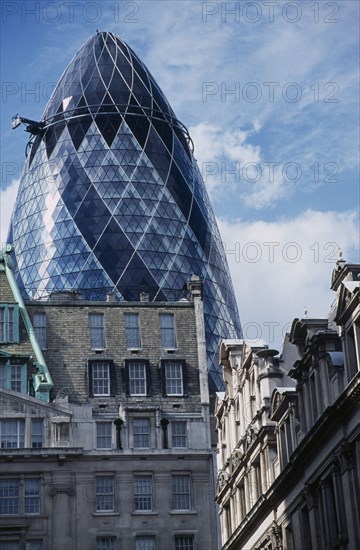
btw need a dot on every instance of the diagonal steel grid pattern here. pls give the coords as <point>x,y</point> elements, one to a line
<point>111,198</point>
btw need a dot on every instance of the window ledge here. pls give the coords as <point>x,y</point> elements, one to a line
<point>105,513</point>
<point>21,516</point>
<point>182,512</point>
<point>144,513</point>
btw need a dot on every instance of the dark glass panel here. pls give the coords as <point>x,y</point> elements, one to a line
<point>160,100</point>
<point>199,226</point>
<point>125,69</point>
<point>33,149</point>
<point>92,217</point>
<point>108,126</point>
<point>140,70</point>
<point>140,92</point>
<point>179,190</point>
<point>139,125</point>
<point>113,251</point>
<point>165,132</point>
<point>181,137</point>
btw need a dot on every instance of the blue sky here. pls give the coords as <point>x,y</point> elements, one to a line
<point>269,92</point>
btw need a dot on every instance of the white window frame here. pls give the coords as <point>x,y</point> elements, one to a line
<point>101,382</point>
<point>141,433</point>
<point>184,542</point>
<point>9,323</point>
<point>145,542</point>
<point>21,498</point>
<point>32,496</point>
<point>13,376</point>
<point>106,542</point>
<point>9,497</point>
<point>104,440</point>
<point>15,436</point>
<point>37,433</point>
<point>174,378</point>
<point>105,493</point>
<point>179,434</point>
<point>137,377</point>
<point>181,492</point>
<point>143,493</point>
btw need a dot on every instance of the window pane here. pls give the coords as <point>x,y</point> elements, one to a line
<point>145,543</point>
<point>103,435</point>
<point>9,496</point>
<point>132,330</point>
<point>137,378</point>
<point>167,330</point>
<point>32,496</point>
<point>8,324</point>
<point>105,543</point>
<point>97,330</point>
<point>2,376</point>
<point>39,322</point>
<point>184,542</point>
<point>104,494</point>
<point>101,378</point>
<point>2,325</point>
<point>143,493</point>
<point>34,545</point>
<point>178,434</point>
<point>10,337</point>
<point>141,427</point>
<point>37,433</point>
<point>181,492</point>
<point>15,377</point>
<point>174,378</point>
<point>12,434</point>
<point>9,545</point>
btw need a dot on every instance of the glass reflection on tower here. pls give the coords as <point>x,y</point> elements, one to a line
<point>111,198</point>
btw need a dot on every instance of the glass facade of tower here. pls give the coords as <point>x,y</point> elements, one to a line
<point>111,198</point>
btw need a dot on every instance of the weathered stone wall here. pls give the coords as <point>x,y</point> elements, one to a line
<point>69,350</point>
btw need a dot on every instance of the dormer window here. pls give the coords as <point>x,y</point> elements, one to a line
<point>9,324</point>
<point>13,375</point>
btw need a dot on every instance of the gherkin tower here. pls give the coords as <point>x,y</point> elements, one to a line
<point>111,198</point>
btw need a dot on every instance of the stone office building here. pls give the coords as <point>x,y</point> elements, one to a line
<point>289,433</point>
<point>104,423</point>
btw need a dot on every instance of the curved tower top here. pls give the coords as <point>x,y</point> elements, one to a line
<point>111,198</point>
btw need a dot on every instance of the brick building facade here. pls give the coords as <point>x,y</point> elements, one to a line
<point>104,419</point>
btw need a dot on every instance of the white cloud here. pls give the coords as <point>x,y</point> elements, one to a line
<point>279,268</point>
<point>220,155</point>
<point>7,201</point>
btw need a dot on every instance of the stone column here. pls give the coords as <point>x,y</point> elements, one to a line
<point>62,491</point>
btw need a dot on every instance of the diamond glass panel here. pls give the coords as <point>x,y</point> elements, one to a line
<point>111,198</point>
